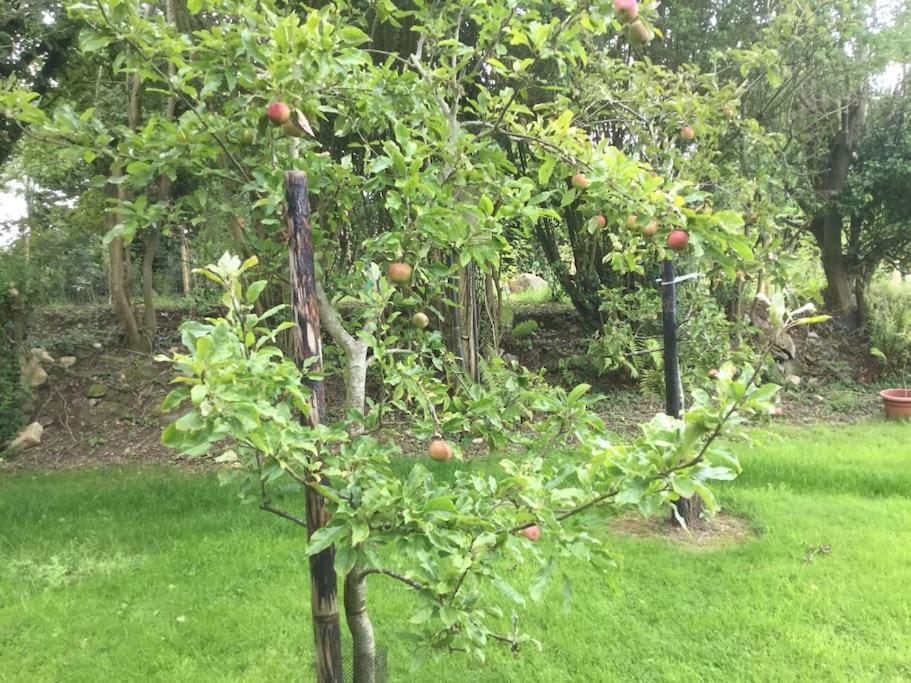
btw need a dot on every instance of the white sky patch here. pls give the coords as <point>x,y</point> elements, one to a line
<point>12,208</point>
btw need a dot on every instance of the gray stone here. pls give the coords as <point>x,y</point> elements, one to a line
<point>42,356</point>
<point>527,282</point>
<point>32,373</point>
<point>28,437</point>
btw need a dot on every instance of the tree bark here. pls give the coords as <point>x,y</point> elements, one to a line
<point>306,344</point>
<point>121,299</point>
<point>468,321</point>
<point>363,643</point>
<point>120,292</point>
<point>185,261</point>
<point>148,292</point>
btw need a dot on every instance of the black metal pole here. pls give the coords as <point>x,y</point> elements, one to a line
<point>673,390</point>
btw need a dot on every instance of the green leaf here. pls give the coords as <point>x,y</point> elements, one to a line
<point>345,557</point>
<point>254,290</point>
<point>448,615</point>
<point>359,531</point>
<point>323,538</point>
<point>506,589</point>
<point>684,487</point>
<point>546,170</point>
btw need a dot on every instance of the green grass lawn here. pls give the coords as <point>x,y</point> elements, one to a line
<point>156,574</point>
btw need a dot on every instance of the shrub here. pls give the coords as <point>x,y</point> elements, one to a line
<point>889,323</point>
<point>13,288</point>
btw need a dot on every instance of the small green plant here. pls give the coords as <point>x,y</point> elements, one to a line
<point>889,326</point>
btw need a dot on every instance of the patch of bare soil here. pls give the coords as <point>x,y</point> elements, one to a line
<point>720,531</point>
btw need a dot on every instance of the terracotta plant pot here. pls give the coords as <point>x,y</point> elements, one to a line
<point>897,403</point>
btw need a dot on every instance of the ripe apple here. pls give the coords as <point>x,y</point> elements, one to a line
<point>777,411</point>
<point>248,137</point>
<point>714,373</point>
<point>687,133</point>
<point>639,34</point>
<point>678,240</point>
<point>400,273</point>
<point>650,229</point>
<point>626,10</point>
<point>439,450</point>
<point>580,182</point>
<point>420,320</point>
<point>600,220</point>
<point>278,113</point>
<point>532,533</point>
<point>631,221</point>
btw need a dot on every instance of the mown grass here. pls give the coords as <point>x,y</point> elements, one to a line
<point>157,574</point>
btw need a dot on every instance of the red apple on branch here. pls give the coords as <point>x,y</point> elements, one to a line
<point>532,533</point>
<point>400,273</point>
<point>626,10</point>
<point>278,113</point>
<point>678,240</point>
<point>579,181</point>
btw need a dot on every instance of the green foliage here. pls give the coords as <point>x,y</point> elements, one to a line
<point>15,307</point>
<point>524,329</point>
<point>889,324</point>
<point>447,540</point>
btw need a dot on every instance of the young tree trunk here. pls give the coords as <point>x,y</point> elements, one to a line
<point>150,243</point>
<point>306,344</point>
<point>185,261</point>
<point>120,291</point>
<point>468,321</point>
<point>363,643</point>
<point>120,298</point>
<point>120,268</point>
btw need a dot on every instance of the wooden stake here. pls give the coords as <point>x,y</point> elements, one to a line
<point>687,509</point>
<point>306,344</point>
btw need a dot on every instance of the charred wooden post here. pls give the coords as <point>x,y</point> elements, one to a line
<point>305,345</point>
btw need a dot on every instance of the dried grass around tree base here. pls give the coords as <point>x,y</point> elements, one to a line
<point>719,531</point>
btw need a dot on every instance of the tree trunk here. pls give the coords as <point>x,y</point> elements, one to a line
<point>828,224</point>
<point>306,344</point>
<point>363,643</point>
<point>838,293</point>
<point>120,267</point>
<point>120,291</point>
<point>468,321</point>
<point>185,262</point>
<point>120,298</point>
<point>148,293</point>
